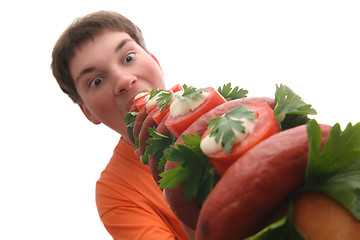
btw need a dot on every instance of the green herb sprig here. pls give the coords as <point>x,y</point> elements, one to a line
<point>156,145</point>
<point>194,169</point>
<point>290,110</point>
<point>191,92</point>
<point>230,93</point>
<point>222,128</point>
<point>163,100</point>
<point>154,92</point>
<point>130,120</point>
<point>335,168</point>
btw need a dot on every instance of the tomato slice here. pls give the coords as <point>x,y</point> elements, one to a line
<point>140,102</point>
<point>176,125</point>
<point>266,126</point>
<point>159,115</point>
<point>176,88</point>
<point>151,109</point>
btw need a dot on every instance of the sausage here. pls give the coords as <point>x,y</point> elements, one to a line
<point>144,134</point>
<point>139,121</point>
<point>154,169</point>
<point>133,108</point>
<point>162,128</point>
<point>264,176</point>
<point>188,211</point>
<point>312,208</point>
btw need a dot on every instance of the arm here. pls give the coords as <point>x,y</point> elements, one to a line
<point>131,222</point>
<point>129,217</point>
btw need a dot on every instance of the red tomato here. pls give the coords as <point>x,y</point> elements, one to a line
<point>176,125</point>
<point>176,88</point>
<point>151,108</point>
<point>159,115</point>
<point>140,102</point>
<point>265,127</point>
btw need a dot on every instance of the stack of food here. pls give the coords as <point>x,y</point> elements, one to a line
<point>238,167</point>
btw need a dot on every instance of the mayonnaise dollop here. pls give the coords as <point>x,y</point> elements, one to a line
<point>208,145</point>
<point>139,95</point>
<point>151,102</point>
<point>181,107</point>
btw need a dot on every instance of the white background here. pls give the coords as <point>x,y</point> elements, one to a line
<point>51,156</point>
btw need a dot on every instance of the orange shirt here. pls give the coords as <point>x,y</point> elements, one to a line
<point>130,204</point>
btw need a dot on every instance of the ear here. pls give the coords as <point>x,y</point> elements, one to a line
<point>157,61</point>
<point>89,115</point>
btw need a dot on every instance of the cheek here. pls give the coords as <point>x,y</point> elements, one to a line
<point>101,106</point>
<point>154,74</point>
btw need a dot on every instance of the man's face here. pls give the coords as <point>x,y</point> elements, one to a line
<point>108,72</point>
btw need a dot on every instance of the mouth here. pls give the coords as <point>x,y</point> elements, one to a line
<point>130,102</point>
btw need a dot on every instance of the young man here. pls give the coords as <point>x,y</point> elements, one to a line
<point>101,63</point>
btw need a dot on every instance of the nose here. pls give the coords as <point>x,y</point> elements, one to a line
<point>122,81</point>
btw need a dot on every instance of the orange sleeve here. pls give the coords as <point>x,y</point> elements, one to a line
<point>130,204</point>
<point>128,221</point>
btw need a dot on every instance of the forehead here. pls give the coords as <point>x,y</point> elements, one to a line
<point>96,49</point>
<point>106,38</point>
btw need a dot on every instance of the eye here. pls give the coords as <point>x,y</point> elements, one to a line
<point>129,58</point>
<point>96,82</point>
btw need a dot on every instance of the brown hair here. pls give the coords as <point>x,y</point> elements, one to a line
<point>78,33</point>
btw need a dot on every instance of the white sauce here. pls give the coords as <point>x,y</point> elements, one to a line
<point>152,101</point>
<point>181,107</point>
<point>209,146</point>
<point>139,95</point>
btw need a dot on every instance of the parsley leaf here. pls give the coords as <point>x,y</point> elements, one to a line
<point>190,92</point>
<point>157,143</point>
<point>163,100</point>
<point>130,120</point>
<point>162,161</point>
<point>136,143</point>
<point>154,92</point>
<point>230,94</point>
<point>193,170</point>
<point>287,102</point>
<point>339,151</point>
<point>223,127</point>
<point>335,169</point>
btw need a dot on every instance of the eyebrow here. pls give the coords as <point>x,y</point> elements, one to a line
<point>90,69</point>
<point>122,43</point>
<point>83,72</point>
